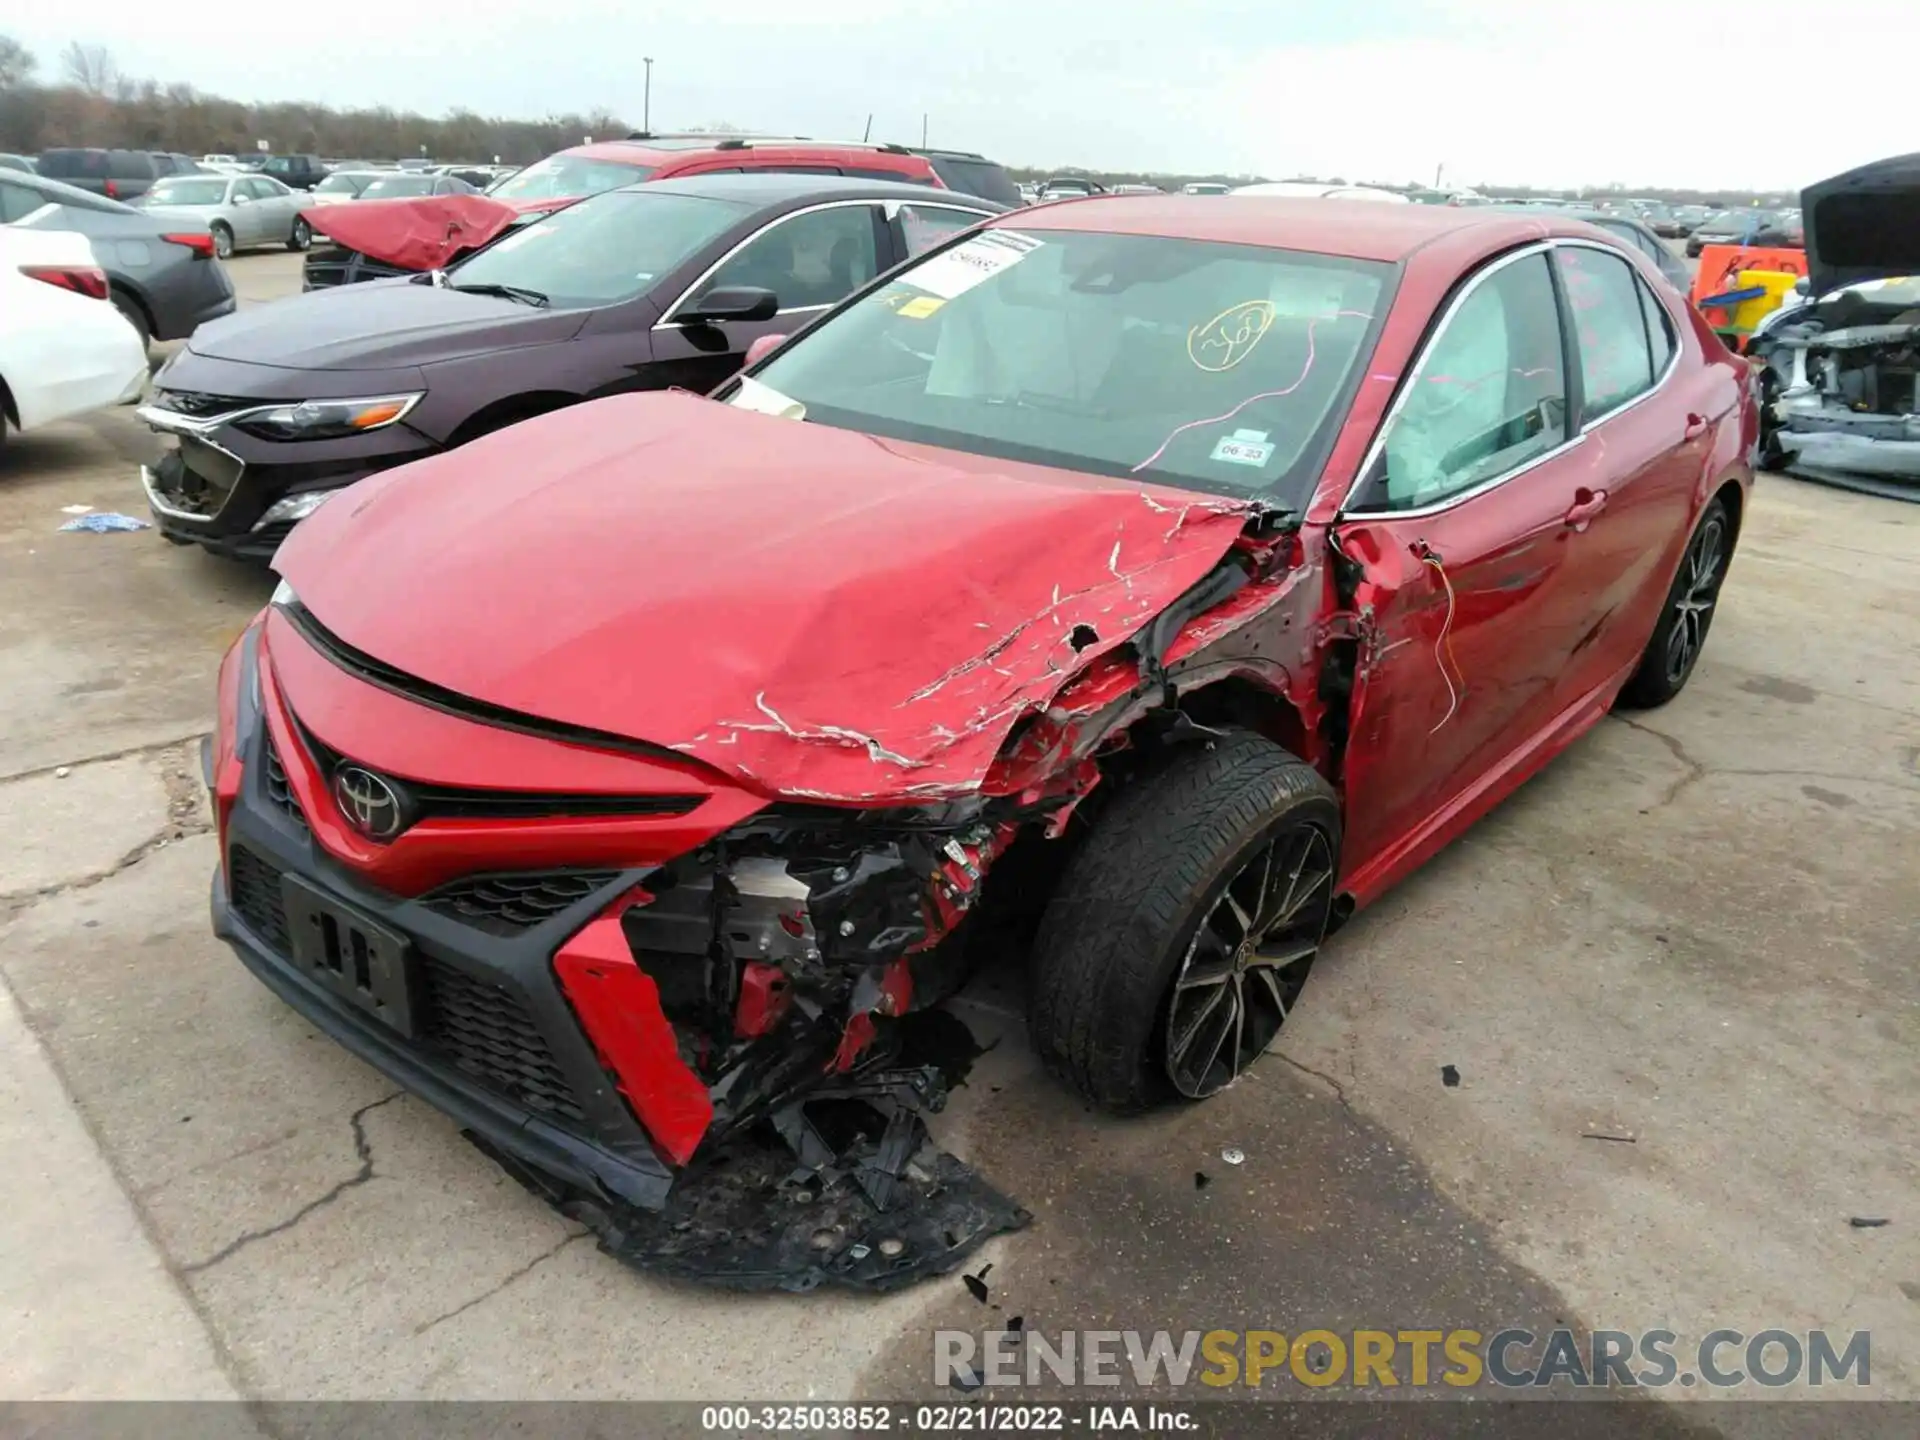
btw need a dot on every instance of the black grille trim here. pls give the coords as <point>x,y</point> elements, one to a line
<point>279,792</point>
<point>455,802</point>
<point>363,666</point>
<point>253,889</point>
<point>489,1035</point>
<point>509,905</point>
<point>481,1029</point>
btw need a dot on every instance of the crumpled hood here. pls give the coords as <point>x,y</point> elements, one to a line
<point>379,325</point>
<point>818,612</point>
<point>1863,225</point>
<point>426,232</point>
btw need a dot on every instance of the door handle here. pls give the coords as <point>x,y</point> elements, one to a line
<point>1586,504</point>
<point>1696,427</point>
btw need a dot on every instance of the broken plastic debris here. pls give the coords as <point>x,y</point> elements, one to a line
<point>105,522</point>
<point>1201,1179</point>
<point>75,509</point>
<point>63,772</point>
<point>1621,1138</point>
<point>976,1287</point>
<point>1234,1156</point>
<point>1867,1222</point>
<point>1449,1076</point>
<point>965,1379</point>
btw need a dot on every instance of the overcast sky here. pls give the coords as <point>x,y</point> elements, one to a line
<point>1523,91</point>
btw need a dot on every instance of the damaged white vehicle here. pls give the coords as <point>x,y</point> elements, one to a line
<point>1842,377</point>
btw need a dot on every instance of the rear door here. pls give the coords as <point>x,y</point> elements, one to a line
<point>918,227</point>
<point>811,259</point>
<point>1644,419</point>
<point>282,204</point>
<point>1464,523</point>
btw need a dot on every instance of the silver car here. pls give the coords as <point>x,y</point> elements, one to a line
<point>239,210</point>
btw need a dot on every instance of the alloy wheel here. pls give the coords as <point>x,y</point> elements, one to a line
<point>223,242</point>
<point>1701,573</point>
<point>1248,961</point>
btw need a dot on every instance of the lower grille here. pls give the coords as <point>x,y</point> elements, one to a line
<point>481,1029</point>
<point>333,265</point>
<point>509,904</point>
<point>254,888</point>
<point>488,1034</point>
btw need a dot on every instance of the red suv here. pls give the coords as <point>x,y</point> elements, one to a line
<point>588,169</point>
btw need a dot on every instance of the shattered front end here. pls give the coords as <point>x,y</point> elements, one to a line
<point>708,1058</point>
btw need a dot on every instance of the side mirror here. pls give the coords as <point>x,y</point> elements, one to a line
<point>1803,286</point>
<point>243,199</point>
<point>763,347</point>
<point>731,302</point>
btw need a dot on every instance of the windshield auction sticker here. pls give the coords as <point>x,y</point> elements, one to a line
<point>954,272</point>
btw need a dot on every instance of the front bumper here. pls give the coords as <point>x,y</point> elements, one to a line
<point>215,488</point>
<point>495,1045</point>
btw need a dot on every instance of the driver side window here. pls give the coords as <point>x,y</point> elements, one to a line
<point>810,261</point>
<point>1490,393</point>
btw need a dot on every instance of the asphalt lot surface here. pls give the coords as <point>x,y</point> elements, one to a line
<point>1695,931</point>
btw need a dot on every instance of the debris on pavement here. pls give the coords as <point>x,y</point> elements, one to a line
<point>1450,1076</point>
<point>965,1379</point>
<point>62,772</point>
<point>75,509</point>
<point>1865,1222</point>
<point>1619,1139</point>
<point>1201,1179</point>
<point>1234,1156</point>
<point>106,522</point>
<point>977,1285</point>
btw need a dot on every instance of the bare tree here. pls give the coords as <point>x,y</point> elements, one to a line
<point>90,68</point>
<point>16,63</point>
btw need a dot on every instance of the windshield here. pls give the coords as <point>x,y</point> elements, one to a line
<point>188,192</point>
<point>394,187</point>
<point>1191,362</point>
<point>342,185</point>
<point>605,249</point>
<point>560,177</point>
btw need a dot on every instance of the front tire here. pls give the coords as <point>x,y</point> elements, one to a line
<point>222,241</point>
<point>1182,931</point>
<point>301,237</point>
<point>1681,632</point>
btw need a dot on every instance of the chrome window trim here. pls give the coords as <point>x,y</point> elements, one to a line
<point>1406,388</point>
<point>668,318</point>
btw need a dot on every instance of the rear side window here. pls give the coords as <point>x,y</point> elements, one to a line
<point>91,163</point>
<point>1659,330</point>
<point>976,177</point>
<point>1616,362</point>
<point>1489,394</point>
<point>17,202</point>
<point>131,165</point>
<point>924,226</point>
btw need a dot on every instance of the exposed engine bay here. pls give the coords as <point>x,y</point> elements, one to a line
<point>1843,389</point>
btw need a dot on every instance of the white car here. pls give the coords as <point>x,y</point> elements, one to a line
<point>64,349</point>
<point>1315,190</point>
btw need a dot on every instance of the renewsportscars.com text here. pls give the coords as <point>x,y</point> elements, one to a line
<point>1388,1359</point>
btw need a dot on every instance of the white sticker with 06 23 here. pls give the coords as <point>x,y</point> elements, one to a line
<point>1244,447</point>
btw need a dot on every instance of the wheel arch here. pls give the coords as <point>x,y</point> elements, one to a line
<point>9,408</point>
<point>1734,496</point>
<point>1240,701</point>
<point>121,287</point>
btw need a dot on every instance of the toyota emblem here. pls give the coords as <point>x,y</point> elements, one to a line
<point>371,802</point>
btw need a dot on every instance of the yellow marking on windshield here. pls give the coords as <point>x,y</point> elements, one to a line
<point>1229,337</point>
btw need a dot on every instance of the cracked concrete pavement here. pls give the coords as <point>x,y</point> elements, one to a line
<point>1674,973</point>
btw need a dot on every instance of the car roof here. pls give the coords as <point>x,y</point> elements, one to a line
<point>58,192</point>
<point>1358,229</point>
<point>772,187</point>
<point>659,149</point>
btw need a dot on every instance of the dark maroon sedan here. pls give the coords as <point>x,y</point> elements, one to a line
<point>664,285</point>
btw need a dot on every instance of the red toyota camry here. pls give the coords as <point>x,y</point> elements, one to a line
<point>1143,582</point>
